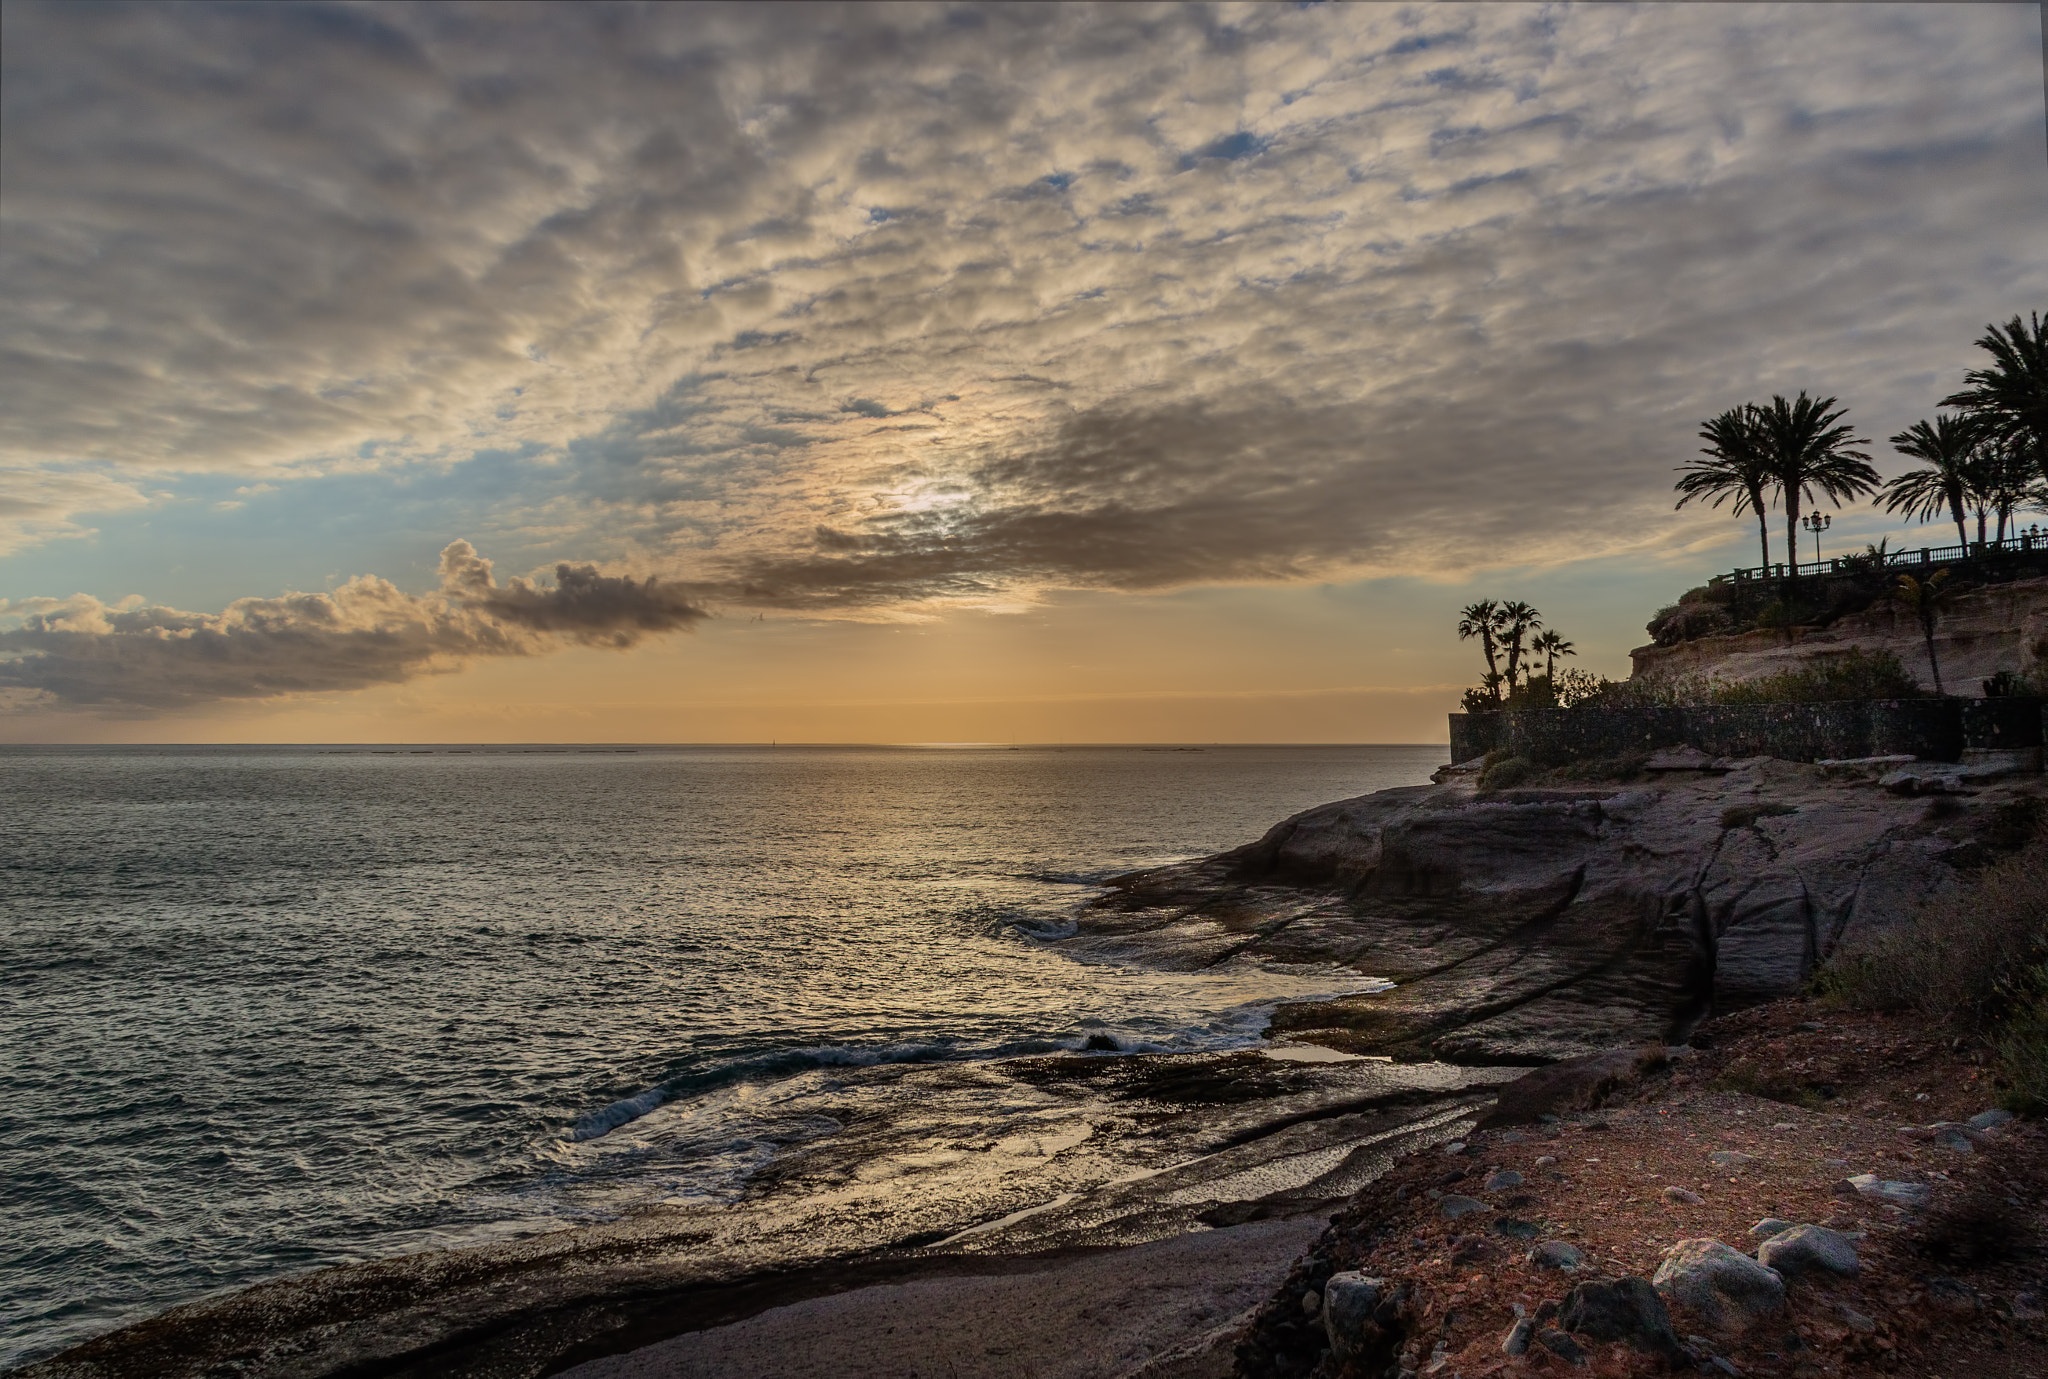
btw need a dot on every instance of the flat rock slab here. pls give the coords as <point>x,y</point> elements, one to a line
<point>1088,1318</point>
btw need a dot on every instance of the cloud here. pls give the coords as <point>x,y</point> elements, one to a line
<point>897,305</point>
<point>38,505</point>
<point>137,659</point>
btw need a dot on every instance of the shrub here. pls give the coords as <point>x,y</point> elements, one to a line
<point>1856,675</point>
<point>1506,772</point>
<point>2023,1044</point>
<point>1976,960</point>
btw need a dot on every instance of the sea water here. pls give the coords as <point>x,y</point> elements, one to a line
<point>270,1009</point>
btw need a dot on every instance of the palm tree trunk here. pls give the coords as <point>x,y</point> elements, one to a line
<point>1980,525</point>
<point>1927,632</point>
<point>1955,506</point>
<point>1792,536</point>
<point>1763,531</point>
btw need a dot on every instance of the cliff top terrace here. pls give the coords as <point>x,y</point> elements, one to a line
<point>2031,542</point>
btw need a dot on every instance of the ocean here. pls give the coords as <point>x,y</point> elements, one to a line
<point>268,1009</point>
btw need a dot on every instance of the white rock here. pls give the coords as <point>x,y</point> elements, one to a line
<point>1722,1286</point>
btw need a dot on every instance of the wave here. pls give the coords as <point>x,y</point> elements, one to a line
<point>1240,1027</point>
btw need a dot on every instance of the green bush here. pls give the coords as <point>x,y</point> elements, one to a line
<point>1506,772</point>
<point>1857,675</point>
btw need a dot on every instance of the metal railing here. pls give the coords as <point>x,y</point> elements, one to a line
<point>2030,542</point>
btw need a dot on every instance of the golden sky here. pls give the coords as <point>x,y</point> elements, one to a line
<point>936,373</point>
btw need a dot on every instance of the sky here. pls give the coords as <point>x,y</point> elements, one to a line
<point>934,372</point>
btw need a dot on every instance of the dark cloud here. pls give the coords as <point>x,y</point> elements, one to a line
<point>140,660</point>
<point>868,306</point>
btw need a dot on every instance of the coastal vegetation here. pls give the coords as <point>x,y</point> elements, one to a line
<point>1974,962</point>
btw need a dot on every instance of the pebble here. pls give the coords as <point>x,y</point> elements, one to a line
<point>1557,1254</point>
<point>1952,1295</point>
<point>1723,1286</point>
<point>1500,1180</point>
<point>2026,1307</point>
<point>1770,1226</point>
<point>1724,1364</point>
<point>1455,1147</point>
<point>1989,1120</point>
<point>1545,1160</point>
<point>1809,1249</point>
<point>1854,1320</point>
<point>1730,1158</point>
<point>1784,1125</point>
<point>1683,1195</point>
<point>1516,1342</point>
<point>1311,1303</point>
<point>1453,1206</point>
<point>1948,1137</point>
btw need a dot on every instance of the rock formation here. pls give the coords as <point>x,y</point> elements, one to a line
<point>1537,924</point>
<point>1984,631</point>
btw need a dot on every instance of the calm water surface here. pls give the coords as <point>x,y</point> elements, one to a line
<point>271,1009</point>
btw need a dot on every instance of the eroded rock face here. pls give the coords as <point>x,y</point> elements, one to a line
<point>1986,630</point>
<point>1541,924</point>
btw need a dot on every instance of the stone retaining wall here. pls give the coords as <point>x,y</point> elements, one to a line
<point>1933,729</point>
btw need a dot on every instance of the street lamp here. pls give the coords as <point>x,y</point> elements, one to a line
<point>1816,522</point>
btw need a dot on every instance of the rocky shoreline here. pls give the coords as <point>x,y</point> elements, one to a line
<point>1531,925</point>
<point>1813,1192</point>
<point>1518,927</point>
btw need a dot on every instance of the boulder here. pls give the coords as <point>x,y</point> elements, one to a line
<point>1454,1206</point>
<point>1627,1310</point>
<point>1349,1300</point>
<point>1809,1249</point>
<point>1723,1287</point>
<point>1500,1180</point>
<point>1362,1316</point>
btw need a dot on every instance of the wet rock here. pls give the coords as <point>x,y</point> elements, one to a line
<point>1516,1342</point>
<point>1730,1158</point>
<point>1723,1287</point>
<point>1855,1320</point>
<point>1683,1196</point>
<point>1809,1249</point>
<point>1561,1345</point>
<point>1627,1310</point>
<point>1770,1226</point>
<point>1500,1180</point>
<point>1454,1206</point>
<point>1989,1120</point>
<point>1557,1254</point>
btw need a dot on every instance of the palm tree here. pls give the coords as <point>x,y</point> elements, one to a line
<point>1736,467</point>
<point>1809,451</point>
<point>1513,622</point>
<point>1550,646</point>
<point>1945,482</point>
<point>2003,473</point>
<point>1926,598</point>
<point>1479,620</point>
<point>2011,396</point>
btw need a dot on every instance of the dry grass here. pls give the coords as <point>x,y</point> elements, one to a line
<point>1975,961</point>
